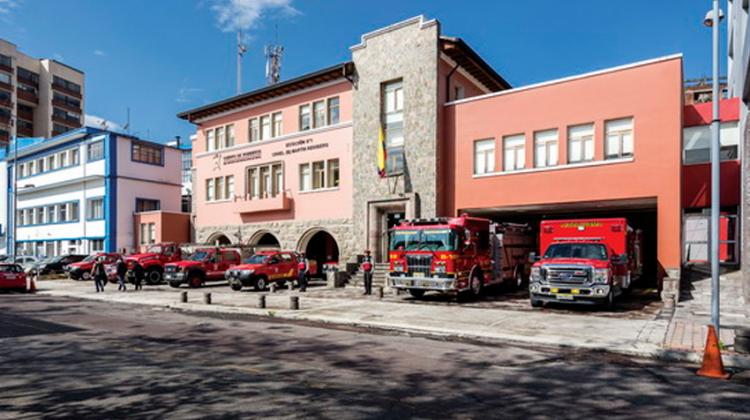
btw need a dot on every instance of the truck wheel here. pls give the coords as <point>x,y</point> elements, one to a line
<point>610,304</point>
<point>260,284</point>
<point>416,293</point>
<point>174,284</point>
<point>536,303</point>
<point>475,284</point>
<point>236,287</point>
<point>153,276</point>
<point>195,281</point>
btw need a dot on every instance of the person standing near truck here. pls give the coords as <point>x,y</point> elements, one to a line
<point>303,267</point>
<point>138,274</point>
<point>121,271</point>
<point>99,274</point>
<point>367,272</point>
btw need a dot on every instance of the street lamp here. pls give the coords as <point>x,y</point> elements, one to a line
<point>712,20</point>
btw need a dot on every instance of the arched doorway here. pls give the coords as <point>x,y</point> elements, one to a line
<point>219,239</point>
<point>321,246</point>
<point>265,240</point>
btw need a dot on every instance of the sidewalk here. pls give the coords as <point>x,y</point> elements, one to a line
<point>642,336</point>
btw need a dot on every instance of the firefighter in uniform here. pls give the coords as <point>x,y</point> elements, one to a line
<point>367,267</point>
<point>303,268</point>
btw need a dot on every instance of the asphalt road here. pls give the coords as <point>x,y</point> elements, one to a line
<point>85,359</point>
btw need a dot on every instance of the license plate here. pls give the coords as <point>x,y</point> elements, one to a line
<point>565,297</point>
<point>419,275</point>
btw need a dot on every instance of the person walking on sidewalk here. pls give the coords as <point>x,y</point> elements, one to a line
<point>99,274</point>
<point>303,269</point>
<point>138,276</point>
<point>367,267</point>
<point>121,271</point>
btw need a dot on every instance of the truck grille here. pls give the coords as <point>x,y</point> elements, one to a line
<point>568,275</point>
<point>419,263</point>
<point>170,269</point>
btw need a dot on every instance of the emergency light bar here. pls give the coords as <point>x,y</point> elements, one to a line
<point>579,239</point>
<point>429,221</point>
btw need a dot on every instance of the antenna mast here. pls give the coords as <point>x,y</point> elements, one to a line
<point>273,60</point>
<point>241,50</point>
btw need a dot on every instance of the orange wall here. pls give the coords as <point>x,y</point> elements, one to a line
<point>651,93</point>
<point>170,227</point>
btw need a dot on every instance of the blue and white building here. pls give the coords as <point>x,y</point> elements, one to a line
<point>78,192</point>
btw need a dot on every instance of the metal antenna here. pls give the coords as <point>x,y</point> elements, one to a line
<point>273,60</point>
<point>241,50</point>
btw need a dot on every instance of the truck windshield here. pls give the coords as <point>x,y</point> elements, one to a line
<point>256,259</point>
<point>586,251</point>
<point>199,256</point>
<point>156,249</point>
<point>424,240</point>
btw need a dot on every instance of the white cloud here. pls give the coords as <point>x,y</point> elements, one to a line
<point>6,6</point>
<point>235,15</point>
<point>99,122</point>
<point>100,53</point>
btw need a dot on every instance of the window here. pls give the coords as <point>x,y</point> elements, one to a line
<point>230,135</point>
<point>148,233</point>
<point>514,152</point>
<point>6,61</point>
<point>276,130</point>
<point>581,143</point>
<point>22,170</point>
<point>95,208</point>
<point>265,182</point>
<point>333,110</point>
<point>254,130</point>
<point>304,117</point>
<point>210,142</point>
<point>50,216</point>
<point>318,170</point>
<point>59,81</point>
<point>147,204</point>
<point>97,245</point>
<point>220,188</point>
<point>51,162</point>
<point>253,183</point>
<point>545,144</point>
<point>619,138</point>
<point>39,215</point>
<point>75,156</point>
<point>458,92</point>
<point>5,78</point>
<point>95,151</point>
<point>319,114</point>
<point>219,140</point>
<point>393,119</point>
<point>62,159</point>
<point>265,127</point>
<point>305,180</point>
<point>62,213</point>
<point>147,153</point>
<point>74,213</point>
<point>697,143</point>
<point>332,173</point>
<point>484,156</point>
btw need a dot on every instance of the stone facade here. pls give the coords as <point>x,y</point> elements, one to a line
<point>408,51</point>
<point>745,200</point>
<point>292,235</point>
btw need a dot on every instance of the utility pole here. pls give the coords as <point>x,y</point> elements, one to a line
<point>14,215</point>
<point>241,50</point>
<point>712,19</point>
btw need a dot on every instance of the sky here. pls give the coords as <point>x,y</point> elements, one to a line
<point>160,57</point>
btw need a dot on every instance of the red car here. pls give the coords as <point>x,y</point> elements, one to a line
<point>12,277</point>
<point>262,268</point>
<point>205,264</point>
<point>82,270</point>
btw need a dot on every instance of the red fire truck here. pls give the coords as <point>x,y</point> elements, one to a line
<point>457,255</point>
<point>585,261</point>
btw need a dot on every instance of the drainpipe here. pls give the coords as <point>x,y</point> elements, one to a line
<point>448,83</point>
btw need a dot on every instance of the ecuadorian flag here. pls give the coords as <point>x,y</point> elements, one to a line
<point>381,153</point>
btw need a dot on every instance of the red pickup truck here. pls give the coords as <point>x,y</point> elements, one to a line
<point>154,260</point>
<point>82,270</point>
<point>203,265</point>
<point>262,268</point>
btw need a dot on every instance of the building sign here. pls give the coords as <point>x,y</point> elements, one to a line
<point>242,157</point>
<point>297,146</point>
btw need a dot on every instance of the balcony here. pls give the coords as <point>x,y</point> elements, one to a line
<point>27,96</point>
<point>6,68</point>
<point>70,122</point>
<point>63,89</point>
<point>27,81</point>
<point>5,119</point>
<point>25,115</point>
<point>245,205</point>
<point>4,137</point>
<point>66,105</point>
<point>6,86</point>
<point>25,131</point>
<point>6,103</point>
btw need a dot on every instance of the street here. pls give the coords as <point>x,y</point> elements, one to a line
<point>62,357</point>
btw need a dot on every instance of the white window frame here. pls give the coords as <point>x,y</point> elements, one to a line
<point>484,156</point>
<point>546,148</point>
<point>585,135</point>
<point>624,138</point>
<point>517,150</point>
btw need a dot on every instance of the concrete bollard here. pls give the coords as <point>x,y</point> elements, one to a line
<point>262,301</point>
<point>272,287</point>
<point>183,297</point>
<point>380,293</point>
<point>294,302</point>
<point>207,298</point>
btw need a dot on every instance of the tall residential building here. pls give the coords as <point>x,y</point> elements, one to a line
<point>38,97</point>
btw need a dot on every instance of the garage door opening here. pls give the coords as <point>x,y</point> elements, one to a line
<point>322,248</point>
<point>641,215</point>
<point>265,240</point>
<point>219,240</point>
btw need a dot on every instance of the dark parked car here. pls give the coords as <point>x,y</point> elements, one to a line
<point>56,265</point>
